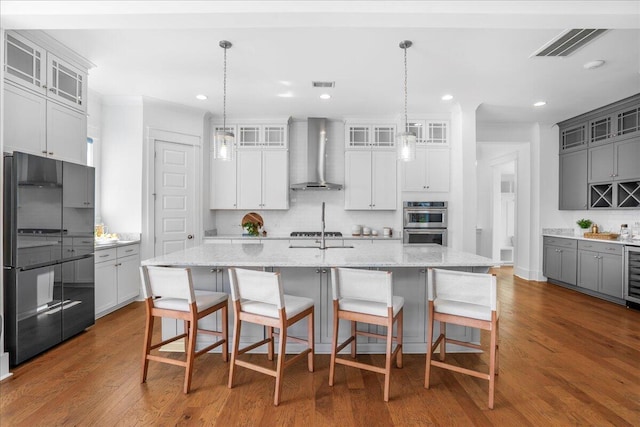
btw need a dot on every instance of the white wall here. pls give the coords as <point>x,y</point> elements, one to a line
<point>122,137</point>
<point>94,130</point>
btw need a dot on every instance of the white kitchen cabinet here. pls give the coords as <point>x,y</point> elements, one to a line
<point>429,132</point>
<point>106,281</point>
<point>429,172</point>
<point>370,180</point>
<point>263,179</point>
<point>366,136</point>
<point>78,191</point>
<point>35,125</point>
<point>263,135</point>
<point>32,67</point>
<point>117,277</point>
<point>223,184</point>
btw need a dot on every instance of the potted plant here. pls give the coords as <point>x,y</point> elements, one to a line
<point>584,224</point>
<point>251,228</point>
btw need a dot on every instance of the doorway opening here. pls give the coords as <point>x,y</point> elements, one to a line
<point>504,204</point>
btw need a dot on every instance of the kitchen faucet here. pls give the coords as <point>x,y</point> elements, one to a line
<point>323,244</point>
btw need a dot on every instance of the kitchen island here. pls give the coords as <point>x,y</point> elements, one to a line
<point>306,272</point>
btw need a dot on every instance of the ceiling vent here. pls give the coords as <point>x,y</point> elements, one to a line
<point>568,42</point>
<point>323,84</point>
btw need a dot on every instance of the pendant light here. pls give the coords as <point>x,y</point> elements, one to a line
<point>406,140</point>
<point>224,140</point>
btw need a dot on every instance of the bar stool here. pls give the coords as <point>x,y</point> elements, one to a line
<point>169,292</point>
<point>467,299</point>
<point>258,298</point>
<point>366,296</point>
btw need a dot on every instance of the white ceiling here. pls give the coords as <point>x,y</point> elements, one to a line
<point>478,51</point>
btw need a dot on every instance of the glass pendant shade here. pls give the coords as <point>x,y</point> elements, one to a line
<point>223,144</point>
<point>406,146</point>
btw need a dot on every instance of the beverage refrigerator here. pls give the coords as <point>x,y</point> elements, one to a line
<point>48,224</point>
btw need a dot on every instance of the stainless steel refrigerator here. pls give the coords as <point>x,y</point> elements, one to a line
<point>48,224</point>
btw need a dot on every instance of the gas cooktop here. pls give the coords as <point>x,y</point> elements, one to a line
<point>315,234</point>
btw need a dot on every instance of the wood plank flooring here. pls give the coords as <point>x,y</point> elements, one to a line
<point>565,359</point>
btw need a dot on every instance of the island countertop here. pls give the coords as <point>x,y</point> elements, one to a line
<point>279,254</point>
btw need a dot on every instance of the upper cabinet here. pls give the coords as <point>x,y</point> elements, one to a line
<point>258,175</point>
<point>622,123</point>
<point>433,133</point>
<point>609,140</point>
<point>573,136</point>
<point>429,172</point>
<point>34,68</point>
<point>44,101</point>
<point>367,136</point>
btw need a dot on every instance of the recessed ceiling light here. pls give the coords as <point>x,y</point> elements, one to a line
<point>201,97</point>
<point>593,64</point>
<point>540,103</point>
<point>285,83</point>
<point>286,95</point>
<point>447,97</point>
<point>325,96</point>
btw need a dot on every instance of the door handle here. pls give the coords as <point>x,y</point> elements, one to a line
<point>190,236</point>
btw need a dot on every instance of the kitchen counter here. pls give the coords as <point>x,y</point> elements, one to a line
<point>278,254</point>
<point>239,237</point>
<point>115,244</point>
<point>573,235</point>
<point>306,272</point>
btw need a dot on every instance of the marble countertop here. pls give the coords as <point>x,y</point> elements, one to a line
<point>115,244</point>
<point>278,254</point>
<point>287,237</point>
<point>576,236</point>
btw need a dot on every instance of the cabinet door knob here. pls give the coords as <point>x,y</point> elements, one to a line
<point>190,236</point>
<point>52,90</point>
<point>44,151</point>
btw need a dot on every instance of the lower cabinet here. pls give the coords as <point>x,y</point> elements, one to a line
<point>559,259</point>
<point>117,278</point>
<point>600,268</point>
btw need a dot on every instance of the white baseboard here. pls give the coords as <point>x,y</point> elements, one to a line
<point>4,366</point>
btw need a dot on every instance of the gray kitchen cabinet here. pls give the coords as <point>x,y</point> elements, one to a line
<point>573,136</point>
<point>560,259</point>
<point>600,268</point>
<point>617,122</point>
<point>615,162</point>
<point>573,180</point>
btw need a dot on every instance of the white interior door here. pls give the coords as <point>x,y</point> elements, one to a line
<point>174,184</point>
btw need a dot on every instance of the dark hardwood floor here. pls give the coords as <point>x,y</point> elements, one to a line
<point>565,359</point>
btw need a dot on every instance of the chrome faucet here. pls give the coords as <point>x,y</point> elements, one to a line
<point>323,243</point>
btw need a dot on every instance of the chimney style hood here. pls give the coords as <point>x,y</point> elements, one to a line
<point>316,157</point>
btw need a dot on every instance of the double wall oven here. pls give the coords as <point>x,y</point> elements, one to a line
<point>424,223</point>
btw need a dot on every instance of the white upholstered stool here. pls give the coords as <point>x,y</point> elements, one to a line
<point>467,299</point>
<point>366,296</point>
<point>258,298</point>
<point>169,292</point>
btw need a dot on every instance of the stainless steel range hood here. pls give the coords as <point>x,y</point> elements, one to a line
<point>316,157</point>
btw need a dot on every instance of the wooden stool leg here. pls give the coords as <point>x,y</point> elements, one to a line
<point>492,363</point>
<point>311,339</point>
<point>225,333</point>
<point>354,327</point>
<point>282,348</point>
<point>270,344</point>
<point>427,370</point>
<point>191,348</point>
<point>148,334</point>
<point>443,342</point>
<point>186,331</point>
<point>497,346</point>
<point>234,347</point>
<point>387,362</point>
<point>399,332</point>
<point>334,344</point>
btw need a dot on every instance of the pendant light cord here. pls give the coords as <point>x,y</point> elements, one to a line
<point>224,93</point>
<point>406,120</point>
